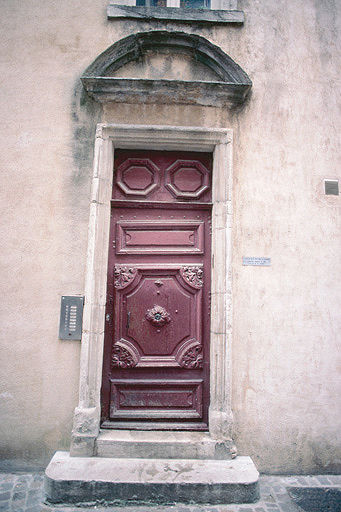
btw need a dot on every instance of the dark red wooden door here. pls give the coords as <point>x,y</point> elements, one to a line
<point>156,354</point>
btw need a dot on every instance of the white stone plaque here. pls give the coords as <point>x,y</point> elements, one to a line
<point>256,261</point>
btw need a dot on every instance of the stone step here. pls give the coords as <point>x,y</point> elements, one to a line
<point>150,481</point>
<point>162,445</point>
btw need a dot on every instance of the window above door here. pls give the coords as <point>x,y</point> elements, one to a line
<point>193,4</point>
<point>203,11</point>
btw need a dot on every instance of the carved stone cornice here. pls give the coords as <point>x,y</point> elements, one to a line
<point>229,89</point>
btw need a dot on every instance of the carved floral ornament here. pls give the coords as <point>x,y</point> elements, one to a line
<point>122,358</point>
<point>192,358</point>
<point>190,355</point>
<point>194,276</point>
<point>157,316</point>
<point>123,276</point>
<point>124,355</point>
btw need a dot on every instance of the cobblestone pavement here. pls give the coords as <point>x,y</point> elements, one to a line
<point>23,492</point>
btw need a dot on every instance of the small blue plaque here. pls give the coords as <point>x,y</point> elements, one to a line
<point>256,261</point>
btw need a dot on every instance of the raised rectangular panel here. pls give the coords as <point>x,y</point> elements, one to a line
<point>142,399</point>
<point>158,315</point>
<point>134,237</point>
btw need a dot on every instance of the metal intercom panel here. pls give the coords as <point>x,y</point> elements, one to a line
<point>71,316</point>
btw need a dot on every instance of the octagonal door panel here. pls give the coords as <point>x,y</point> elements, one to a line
<point>156,353</point>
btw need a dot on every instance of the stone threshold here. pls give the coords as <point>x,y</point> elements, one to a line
<point>124,481</point>
<point>162,445</point>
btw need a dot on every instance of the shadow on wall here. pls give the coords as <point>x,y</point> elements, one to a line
<point>85,114</point>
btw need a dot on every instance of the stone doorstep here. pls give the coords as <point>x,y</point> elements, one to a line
<point>146,481</point>
<point>162,445</point>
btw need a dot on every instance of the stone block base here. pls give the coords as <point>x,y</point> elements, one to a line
<point>139,444</point>
<point>143,481</point>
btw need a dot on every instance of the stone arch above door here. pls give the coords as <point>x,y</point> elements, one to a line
<point>189,70</point>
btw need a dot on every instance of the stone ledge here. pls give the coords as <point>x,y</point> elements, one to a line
<point>162,445</point>
<point>175,14</point>
<point>143,481</point>
<point>147,91</point>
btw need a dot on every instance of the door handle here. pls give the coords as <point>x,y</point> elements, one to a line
<point>128,319</point>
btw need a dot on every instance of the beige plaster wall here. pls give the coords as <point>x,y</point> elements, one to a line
<point>286,321</point>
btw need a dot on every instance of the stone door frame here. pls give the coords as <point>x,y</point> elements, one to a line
<point>108,137</point>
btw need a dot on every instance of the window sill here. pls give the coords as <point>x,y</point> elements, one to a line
<point>175,14</point>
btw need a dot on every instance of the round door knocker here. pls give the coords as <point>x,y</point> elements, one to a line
<point>157,316</point>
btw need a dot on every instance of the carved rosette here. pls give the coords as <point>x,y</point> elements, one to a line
<point>123,276</point>
<point>192,358</point>
<point>122,357</point>
<point>157,316</point>
<point>194,276</point>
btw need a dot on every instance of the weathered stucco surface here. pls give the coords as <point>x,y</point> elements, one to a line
<point>286,320</point>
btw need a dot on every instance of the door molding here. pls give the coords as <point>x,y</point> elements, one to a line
<point>108,137</point>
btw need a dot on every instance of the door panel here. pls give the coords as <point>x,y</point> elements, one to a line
<point>156,399</point>
<point>162,176</point>
<point>158,315</point>
<point>156,353</point>
<point>155,237</point>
